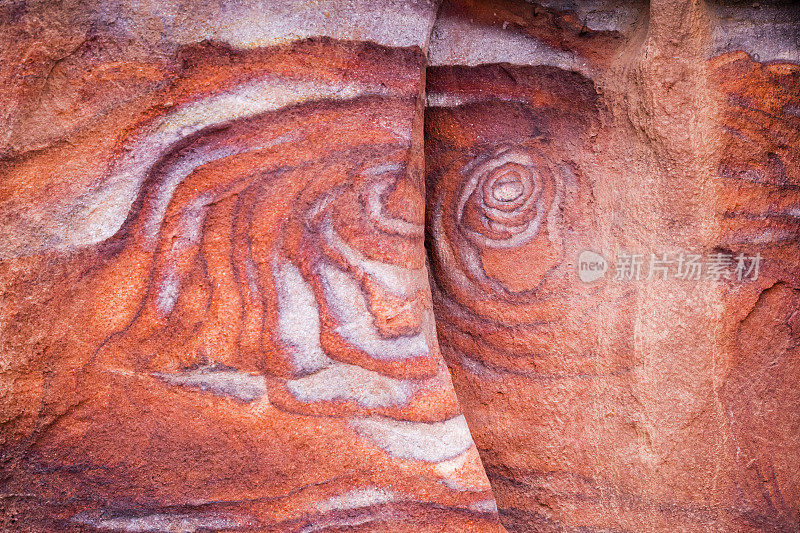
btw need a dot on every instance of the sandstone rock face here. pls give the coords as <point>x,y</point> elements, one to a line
<point>759,172</point>
<point>657,402</point>
<point>394,265</point>
<point>216,311</point>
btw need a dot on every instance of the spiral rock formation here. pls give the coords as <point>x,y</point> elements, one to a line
<point>242,331</point>
<point>238,294</point>
<point>603,404</point>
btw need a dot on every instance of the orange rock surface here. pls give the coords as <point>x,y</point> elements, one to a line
<point>399,265</point>
<point>647,402</point>
<point>216,312</point>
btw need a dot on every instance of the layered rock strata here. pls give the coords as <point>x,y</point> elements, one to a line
<point>657,391</point>
<point>216,311</point>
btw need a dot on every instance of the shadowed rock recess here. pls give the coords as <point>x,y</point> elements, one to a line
<point>284,266</point>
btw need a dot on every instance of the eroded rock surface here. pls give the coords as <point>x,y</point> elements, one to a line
<point>215,305</point>
<point>216,312</point>
<point>613,402</point>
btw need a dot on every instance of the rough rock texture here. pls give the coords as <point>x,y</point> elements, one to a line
<point>759,172</point>
<point>215,307</point>
<point>620,405</point>
<point>217,312</point>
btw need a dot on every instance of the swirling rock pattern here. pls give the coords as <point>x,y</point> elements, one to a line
<point>655,405</point>
<point>508,205</point>
<point>216,307</point>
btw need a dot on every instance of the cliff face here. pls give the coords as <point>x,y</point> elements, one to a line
<point>399,266</point>
<point>651,396</point>
<point>216,308</point>
<point>655,392</point>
